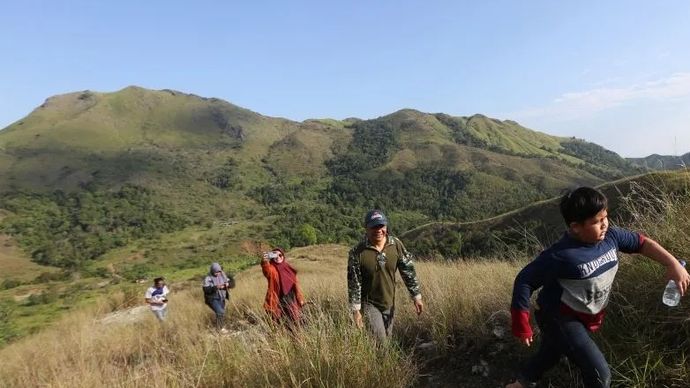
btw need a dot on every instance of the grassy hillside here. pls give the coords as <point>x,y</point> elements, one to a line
<point>87,173</point>
<point>461,340</point>
<point>131,121</point>
<point>39,294</point>
<point>91,179</point>
<point>529,229</point>
<point>186,352</point>
<point>131,135</point>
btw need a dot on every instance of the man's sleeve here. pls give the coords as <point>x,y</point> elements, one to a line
<point>407,271</point>
<point>147,294</point>
<point>354,281</point>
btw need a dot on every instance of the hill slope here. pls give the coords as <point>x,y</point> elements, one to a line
<point>88,172</point>
<point>529,229</point>
<point>135,135</point>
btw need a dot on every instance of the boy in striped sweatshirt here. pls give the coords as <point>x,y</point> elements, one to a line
<point>575,276</point>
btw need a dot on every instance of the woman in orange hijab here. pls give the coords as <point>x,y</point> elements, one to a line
<point>284,299</point>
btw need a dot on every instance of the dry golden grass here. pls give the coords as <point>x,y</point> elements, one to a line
<point>15,264</point>
<point>464,301</point>
<point>82,351</point>
<point>460,298</point>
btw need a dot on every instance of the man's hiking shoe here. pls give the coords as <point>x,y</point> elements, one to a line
<point>223,331</point>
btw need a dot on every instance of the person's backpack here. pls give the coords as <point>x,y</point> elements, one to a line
<point>210,291</point>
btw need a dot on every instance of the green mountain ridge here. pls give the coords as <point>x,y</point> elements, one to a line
<point>124,125</point>
<point>139,120</point>
<point>197,160</point>
<point>662,162</point>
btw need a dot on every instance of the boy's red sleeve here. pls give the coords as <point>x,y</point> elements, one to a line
<point>520,323</point>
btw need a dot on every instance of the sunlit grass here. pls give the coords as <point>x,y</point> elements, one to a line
<point>646,343</point>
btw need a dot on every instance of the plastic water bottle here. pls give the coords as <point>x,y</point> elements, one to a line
<point>671,296</point>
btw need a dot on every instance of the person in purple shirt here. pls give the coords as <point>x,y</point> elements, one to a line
<point>575,276</point>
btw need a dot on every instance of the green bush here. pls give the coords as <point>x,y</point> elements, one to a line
<point>67,229</point>
<point>10,283</point>
<point>7,329</point>
<point>308,235</point>
<point>44,297</point>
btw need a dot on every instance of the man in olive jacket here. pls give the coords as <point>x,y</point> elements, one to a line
<point>371,270</point>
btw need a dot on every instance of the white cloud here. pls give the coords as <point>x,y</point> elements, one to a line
<point>584,104</point>
<point>634,120</point>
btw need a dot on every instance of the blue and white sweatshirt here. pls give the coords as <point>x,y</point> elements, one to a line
<point>575,278</point>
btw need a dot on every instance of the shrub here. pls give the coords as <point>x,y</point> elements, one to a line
<point>10,283</point>
<point>7,329</point>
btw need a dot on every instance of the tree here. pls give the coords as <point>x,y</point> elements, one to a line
<point>307,235</point>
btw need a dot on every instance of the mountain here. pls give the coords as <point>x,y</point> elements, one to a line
<point>662,162</point>
<point>88,172</point>
<point>137,136</point>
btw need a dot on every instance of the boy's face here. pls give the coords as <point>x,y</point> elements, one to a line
<point>593,229</point>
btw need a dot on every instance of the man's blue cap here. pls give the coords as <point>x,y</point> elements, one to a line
<point>374,218</point>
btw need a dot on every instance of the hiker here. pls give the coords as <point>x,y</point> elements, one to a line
<point>157,298</point>
<point>284,299</point>
<point>371,267</point>
<point>575,275</point>
<point>216,286</point>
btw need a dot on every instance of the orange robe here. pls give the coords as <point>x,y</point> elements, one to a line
<point>272,302</point>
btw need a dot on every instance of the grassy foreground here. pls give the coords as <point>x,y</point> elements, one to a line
<point>646,343</point>
<point>81,350</point>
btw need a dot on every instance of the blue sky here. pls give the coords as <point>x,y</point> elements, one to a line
<point>613,72</point>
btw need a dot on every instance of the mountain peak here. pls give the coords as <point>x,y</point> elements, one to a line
<point>134,88</point>
<point>406,113</point>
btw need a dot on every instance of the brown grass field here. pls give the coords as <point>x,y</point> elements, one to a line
<point>82,350</point>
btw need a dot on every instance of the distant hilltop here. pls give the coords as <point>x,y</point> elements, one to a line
<point>662,162</point>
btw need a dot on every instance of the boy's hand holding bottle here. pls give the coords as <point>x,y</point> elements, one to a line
<point>679,281</point>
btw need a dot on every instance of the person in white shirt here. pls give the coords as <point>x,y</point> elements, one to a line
<point>157,298</point>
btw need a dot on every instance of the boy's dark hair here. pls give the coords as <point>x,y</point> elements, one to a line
<point>581,204</point>
<point>156,280</point>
